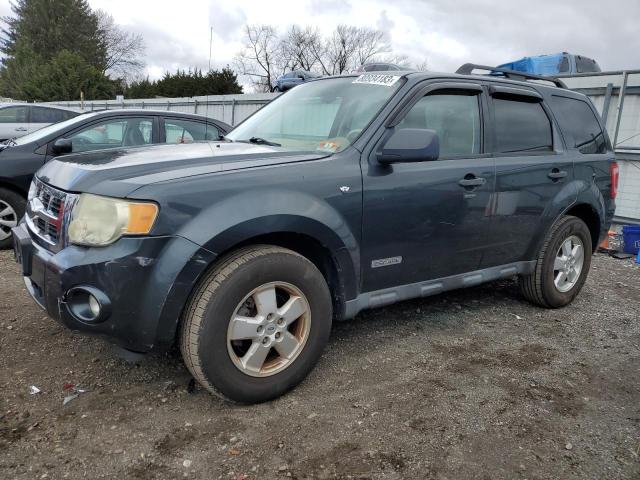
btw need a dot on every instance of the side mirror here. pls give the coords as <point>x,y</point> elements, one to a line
<point>62,146</point>
<point>301,77</point>
<point>410,145</point>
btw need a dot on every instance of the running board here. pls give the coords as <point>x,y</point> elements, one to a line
<point>388,296</point>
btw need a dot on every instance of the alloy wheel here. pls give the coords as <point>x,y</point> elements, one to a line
<point>568,264</point>
<point>269,329</point>
<point>8,219</point>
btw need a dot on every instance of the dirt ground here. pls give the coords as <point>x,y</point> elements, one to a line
<point>469,384</point>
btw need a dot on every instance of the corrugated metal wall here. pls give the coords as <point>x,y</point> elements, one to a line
<point>231,109</point>
<point>628,139</point>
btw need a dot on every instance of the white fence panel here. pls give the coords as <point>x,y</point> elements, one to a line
<point>231,109</point>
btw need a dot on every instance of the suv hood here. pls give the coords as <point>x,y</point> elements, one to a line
<point>118,172</point>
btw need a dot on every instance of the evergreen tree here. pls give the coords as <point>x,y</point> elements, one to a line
<point>186,84</point>
<point>46,27</point>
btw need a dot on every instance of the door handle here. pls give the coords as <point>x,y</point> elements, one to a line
<point>470,180</point>
<point>21,129</point>
<point>556,174</point>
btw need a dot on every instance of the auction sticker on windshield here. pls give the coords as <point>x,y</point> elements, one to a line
<point>377,79</point>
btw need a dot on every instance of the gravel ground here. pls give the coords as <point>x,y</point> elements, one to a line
<point>470,384</point>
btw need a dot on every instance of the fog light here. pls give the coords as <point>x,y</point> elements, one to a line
<point>87,304</point>
<point>94,306</point>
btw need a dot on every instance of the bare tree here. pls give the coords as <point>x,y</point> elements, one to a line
<point>349,47</point>
<point>123,50</point>
<point>297,48</point>
<point>266,54</point>
<point>259,58</point>
<point>423,65</point>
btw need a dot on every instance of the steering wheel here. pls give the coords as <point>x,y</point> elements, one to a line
<point>81,141</point>
<point>353,134</point>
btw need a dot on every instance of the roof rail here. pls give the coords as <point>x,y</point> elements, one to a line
<point>468,68</point>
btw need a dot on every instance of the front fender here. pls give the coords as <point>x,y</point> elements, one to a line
<point>238,218</point>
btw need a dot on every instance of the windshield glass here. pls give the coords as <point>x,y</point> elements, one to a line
<point>45,131</point>
<point>324,115</point>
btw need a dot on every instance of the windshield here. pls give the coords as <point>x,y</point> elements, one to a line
<point>324,115</point>
<point>49,129</point>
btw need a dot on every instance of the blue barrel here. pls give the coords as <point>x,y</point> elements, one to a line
<point>631,238</point>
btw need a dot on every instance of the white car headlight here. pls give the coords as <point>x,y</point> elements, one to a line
<point>32,191</point>
<point>98,221</point>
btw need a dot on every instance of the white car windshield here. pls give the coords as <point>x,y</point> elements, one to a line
<point>324,115</point>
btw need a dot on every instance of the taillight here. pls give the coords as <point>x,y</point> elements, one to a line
<point>615,175</point>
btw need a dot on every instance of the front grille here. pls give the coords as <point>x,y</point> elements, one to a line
<point>46,214</point>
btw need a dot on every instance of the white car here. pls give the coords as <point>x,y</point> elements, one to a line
<point>18,119</point>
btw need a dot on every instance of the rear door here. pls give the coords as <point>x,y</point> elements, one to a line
<point>533,173</point>
<point>180,130</point>
<point>14,121</point>
<point>428,220</point>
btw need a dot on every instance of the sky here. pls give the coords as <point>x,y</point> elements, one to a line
<point>444,33</point>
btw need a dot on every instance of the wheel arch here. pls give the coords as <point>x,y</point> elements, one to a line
<point>9,185</point>
<point>590,217</point>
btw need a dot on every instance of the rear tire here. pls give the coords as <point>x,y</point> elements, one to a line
<point>257,324</point>
<point>12,207</point>
<point>562,265</point>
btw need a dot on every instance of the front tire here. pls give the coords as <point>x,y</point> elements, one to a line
<point>257,324</point>
<point>562,266</point>
<point>12,207</point>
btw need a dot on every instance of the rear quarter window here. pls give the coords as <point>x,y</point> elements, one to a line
<point>578,122</point>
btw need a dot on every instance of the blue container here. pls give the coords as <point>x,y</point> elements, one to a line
<point>631,238</point>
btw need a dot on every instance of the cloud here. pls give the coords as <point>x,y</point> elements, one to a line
<point>227,23</point>
<point>494,33</point>
<point>446,33</point>
<point>384,23</point>
<point>331,7</point>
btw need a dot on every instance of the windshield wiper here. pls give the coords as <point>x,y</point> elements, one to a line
<point>10,142</point>
<point>261,141</point>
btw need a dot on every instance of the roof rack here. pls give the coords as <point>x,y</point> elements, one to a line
<point>468,68</point>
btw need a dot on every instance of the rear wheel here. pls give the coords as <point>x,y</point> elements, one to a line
<point>257,324</point>
<point>12,207</point>
<point>562,266</point>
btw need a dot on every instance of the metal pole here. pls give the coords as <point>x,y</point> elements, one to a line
<point>623,90</point>
<point>195,105</point>
<point>607,102</point>
<point>233,112</point>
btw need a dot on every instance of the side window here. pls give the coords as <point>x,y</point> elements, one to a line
<point>187,131</point>
<point>454,117</point>
<point>521,126</point>
<point>13,115</point>
<point>46,115</point>
<point>586,65</point>
<point>129,132</point>
<point>576,118</point>
<point>67,114</point>
<point>563,66</point>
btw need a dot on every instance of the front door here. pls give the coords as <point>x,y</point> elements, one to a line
<point>429,220</point>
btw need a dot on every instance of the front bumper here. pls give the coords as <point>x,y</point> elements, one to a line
<point>147,281</point>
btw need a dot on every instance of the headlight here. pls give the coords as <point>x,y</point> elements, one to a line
<point>98,221</point>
